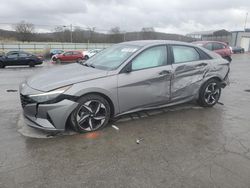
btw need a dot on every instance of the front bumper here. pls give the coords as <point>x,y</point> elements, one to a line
<point>51,116</point>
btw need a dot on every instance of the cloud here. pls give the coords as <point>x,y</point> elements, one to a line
<point>175,16</point>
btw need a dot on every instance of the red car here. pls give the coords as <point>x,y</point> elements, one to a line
<point>69,56</point>
<point>220,48</point>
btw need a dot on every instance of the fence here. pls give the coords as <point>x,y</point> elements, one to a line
<point>37,47</point>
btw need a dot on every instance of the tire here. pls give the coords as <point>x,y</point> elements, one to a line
<point>86,57</point>
<point>78,60</point>
<point>2,65</point>
<point>32,64</point>
<point>228,58</point>
<point>210,93</point>
<point>58,61</point>
<point>92,114</point>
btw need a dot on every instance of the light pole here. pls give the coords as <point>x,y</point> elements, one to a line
<point>71,32</point>
<point>245,25</point>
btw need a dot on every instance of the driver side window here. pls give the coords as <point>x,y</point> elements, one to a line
<point>13,55</point>
<point>152,57</point>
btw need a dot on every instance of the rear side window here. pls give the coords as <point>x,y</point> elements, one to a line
<point>76,53</point>
<point>68,53</point>
<point>185,54</point>
<point>208,46</point>
<point>23,55</point>
<point>218,46</point>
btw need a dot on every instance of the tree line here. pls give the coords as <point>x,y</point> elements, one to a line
<point>25,32</point>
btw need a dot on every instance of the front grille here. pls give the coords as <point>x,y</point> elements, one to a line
<point>25,100</point>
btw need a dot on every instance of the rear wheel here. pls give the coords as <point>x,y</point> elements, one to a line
<point>92,113</point>
<point>78,60</point>
<point>32,64</point>
<point>209,93</point>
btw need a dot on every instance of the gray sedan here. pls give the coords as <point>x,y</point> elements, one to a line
<point>124,78</point>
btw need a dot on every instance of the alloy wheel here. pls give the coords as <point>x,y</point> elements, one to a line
<point>212,93</point>
<point>91,115</point>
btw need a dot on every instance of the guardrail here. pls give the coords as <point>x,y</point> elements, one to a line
<point>43,46</point>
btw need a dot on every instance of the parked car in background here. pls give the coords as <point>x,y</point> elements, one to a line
<point>238,49</point>
<point>89,53</point>
<point>69,56</point>
<point>125,78</point>
<point>15,58</point>
<point>55,51</point>
<point>219,47</point>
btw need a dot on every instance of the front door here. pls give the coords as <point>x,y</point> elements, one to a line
<point>148,81</point>
<point>12,59</point>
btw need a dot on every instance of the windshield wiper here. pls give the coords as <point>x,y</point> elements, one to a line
<point>88,65</point>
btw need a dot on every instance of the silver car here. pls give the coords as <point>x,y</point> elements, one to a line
<point>124,78</point>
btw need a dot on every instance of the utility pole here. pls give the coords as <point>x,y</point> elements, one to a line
<point>245,25</point>
<point>71,33</point>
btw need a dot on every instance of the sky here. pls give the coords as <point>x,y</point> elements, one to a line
<point>169,16</point>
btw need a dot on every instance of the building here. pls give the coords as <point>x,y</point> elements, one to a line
<point>241,38</point>
<point>215,35</point>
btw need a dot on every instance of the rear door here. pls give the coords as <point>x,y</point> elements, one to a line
<point>189,64</point>
<point>24,58</point>
<point>148,82</point>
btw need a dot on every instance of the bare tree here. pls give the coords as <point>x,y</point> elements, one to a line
<point>148,33</point>
<point>148,29</point>
<point>24,30</point>
<point>115,30</point>
<point>115,35</point>
<point>59,34</point>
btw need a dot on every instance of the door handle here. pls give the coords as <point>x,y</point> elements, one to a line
<point>165,72</point>
<point>201,65</point>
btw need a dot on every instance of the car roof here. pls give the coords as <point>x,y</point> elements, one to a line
<point>208,41</point>
<point>154,42</point>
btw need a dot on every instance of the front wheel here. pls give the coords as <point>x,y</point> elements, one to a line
<point>58,61</point>
<point>2,65</point>
<point>209,93</point>
<point>92,113</point>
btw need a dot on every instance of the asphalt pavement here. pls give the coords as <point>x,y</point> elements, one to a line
<point>182,146</point>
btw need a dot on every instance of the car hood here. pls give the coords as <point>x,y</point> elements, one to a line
<point>64,75</point>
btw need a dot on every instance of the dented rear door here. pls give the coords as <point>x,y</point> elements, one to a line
<point>189,70</point>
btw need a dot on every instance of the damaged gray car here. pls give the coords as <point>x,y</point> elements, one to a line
<point>124,78</point>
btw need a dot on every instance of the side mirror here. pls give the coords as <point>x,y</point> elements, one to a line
<point>128,68</point>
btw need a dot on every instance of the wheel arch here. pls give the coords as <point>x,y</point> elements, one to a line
<point>111,104</point>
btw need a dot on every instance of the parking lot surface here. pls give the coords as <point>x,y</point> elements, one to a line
<point>183,146</point>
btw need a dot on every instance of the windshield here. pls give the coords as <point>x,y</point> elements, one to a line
<point>111,58</point>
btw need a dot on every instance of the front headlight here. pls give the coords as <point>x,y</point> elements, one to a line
<point>44,97</point>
